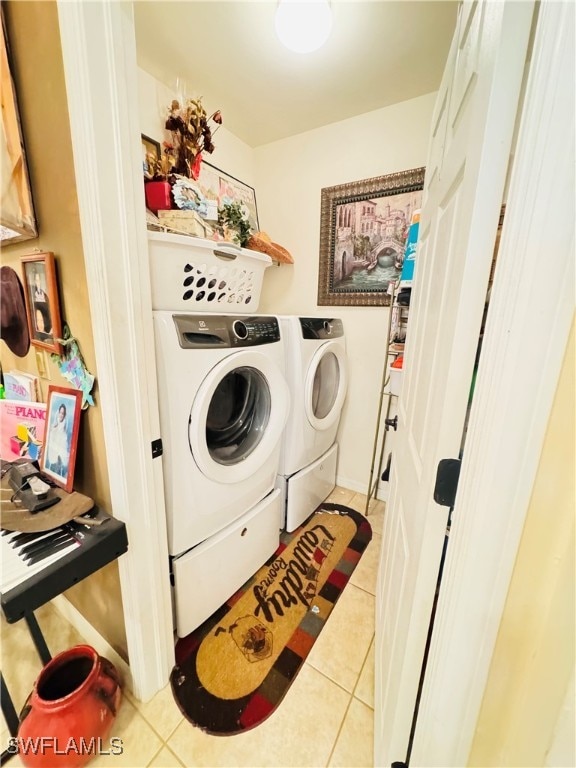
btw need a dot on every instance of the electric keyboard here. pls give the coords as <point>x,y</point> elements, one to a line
<point>38,566</point>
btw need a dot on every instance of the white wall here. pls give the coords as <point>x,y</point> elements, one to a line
<point>289,176</point>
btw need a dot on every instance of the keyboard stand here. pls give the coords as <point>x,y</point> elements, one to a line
<point>9,715</point>
<point>8,709</point>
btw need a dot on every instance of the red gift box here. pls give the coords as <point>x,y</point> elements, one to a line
<point>158,197</point>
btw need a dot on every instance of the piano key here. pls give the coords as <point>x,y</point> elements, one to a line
<point>46,547</point>
<point>16,544</point>
<point>16,540</point>
<point>43,543</point>
<point>25,587</point>
<point>15,571</point>
<point>15,537</point>
<point>23,538</point>
<point>8,544</point>
<point>42,554</point>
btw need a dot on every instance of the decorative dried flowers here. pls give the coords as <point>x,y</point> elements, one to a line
<point>191,135</point>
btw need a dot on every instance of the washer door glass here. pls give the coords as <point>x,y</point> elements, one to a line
<point>238,415</point>
<point>326,385</point>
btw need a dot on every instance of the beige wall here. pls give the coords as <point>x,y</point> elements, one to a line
<point>35,45</point>
<point>533,663</point>
<point>289,177</point>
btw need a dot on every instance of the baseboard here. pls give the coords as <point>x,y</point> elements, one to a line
<point>92,637</point>
<point>351,485</point>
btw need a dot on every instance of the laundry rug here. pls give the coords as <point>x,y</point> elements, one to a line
<point>233,671</point>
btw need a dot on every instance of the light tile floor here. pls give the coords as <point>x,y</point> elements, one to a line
<point>326,718</point>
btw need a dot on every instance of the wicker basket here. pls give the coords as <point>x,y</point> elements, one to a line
<point>197,275</point>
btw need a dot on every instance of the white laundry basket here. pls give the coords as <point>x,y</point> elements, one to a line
<point>196,275</point>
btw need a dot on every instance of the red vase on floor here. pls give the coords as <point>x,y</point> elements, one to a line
<point>68,715</point>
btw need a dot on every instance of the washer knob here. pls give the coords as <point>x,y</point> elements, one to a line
<point>240,329</point>
<point>327,326</point>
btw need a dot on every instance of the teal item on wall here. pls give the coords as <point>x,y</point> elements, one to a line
<point>407,274</point>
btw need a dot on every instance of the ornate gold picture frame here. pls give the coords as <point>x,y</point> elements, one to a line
<point>17,220</point>
<point>363,229</point>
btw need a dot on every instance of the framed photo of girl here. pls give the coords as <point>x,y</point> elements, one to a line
<point>58,458</point>
<point>42,304</point>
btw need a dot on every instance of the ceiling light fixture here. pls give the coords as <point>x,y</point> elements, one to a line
<point>303,25</point>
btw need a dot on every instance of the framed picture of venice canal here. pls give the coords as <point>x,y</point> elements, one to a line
<point>363,231</point>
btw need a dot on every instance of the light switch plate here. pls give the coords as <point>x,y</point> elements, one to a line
<point>42,365</point>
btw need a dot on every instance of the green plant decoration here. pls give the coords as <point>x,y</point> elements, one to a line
<point>231,217</point>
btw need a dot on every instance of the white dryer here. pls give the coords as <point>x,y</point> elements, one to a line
<point>223,402</point>
<point>317,375</point>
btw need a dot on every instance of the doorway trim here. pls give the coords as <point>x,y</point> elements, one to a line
<point>99,57</point>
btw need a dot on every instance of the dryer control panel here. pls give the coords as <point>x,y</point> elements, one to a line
<point>321,327</point>
<point>225,331</point>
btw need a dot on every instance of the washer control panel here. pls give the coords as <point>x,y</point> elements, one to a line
<point>221,331</point>
<point>321,327</point>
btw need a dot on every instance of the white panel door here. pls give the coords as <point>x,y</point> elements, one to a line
<point>468,158</point>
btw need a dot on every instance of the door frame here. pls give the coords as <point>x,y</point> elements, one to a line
<point>101,69</point>
<point>99,58</point>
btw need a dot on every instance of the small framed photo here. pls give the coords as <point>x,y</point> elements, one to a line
<point>42,304</point>
<point>151,156</point>
<point>220,186</point>
<point>58,459</point>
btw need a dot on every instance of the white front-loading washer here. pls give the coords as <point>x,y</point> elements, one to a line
<point>317,376</point>
<point>223,403</point>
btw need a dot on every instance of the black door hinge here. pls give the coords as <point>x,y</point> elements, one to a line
<point>447,482</point>
<point>156,448</point>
